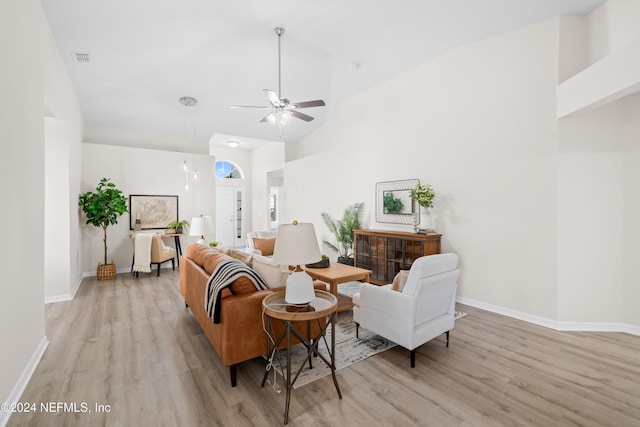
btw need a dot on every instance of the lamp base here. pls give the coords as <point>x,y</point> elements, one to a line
<point>202,242</point>
<point>299,288</point>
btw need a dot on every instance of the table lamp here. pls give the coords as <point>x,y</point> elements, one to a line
<point>201,226</point>
<point>296,244</point>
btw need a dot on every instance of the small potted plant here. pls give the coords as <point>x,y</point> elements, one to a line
<point>323,263</point>
<point>102,208</point>
<point>343,232</point>
<point>177,226</point>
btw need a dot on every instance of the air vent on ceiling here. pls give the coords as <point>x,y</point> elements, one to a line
<point>81,58</point>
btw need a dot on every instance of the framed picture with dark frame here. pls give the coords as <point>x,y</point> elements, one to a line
<point>154,212</point>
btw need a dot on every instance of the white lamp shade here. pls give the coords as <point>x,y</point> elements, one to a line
<point>201,226</point>
<point>296,244</point>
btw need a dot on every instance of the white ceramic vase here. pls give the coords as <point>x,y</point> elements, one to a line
<point>426,218</point>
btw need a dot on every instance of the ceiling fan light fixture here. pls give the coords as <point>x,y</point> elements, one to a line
<point>282,109</point>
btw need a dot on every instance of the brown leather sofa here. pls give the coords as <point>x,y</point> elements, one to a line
<point>240,335</point>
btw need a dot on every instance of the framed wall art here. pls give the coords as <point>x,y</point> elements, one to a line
<point>154,212</point>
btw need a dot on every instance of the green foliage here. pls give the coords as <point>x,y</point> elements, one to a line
<point>424,195</point>
<point>103,207</point>
<point>343,229</point>
<point>392,204</point>
<point>174,225</point>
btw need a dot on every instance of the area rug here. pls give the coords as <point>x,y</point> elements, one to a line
<point>349,349</point>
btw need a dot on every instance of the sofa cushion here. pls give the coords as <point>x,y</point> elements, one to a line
<point>197,252</point>
<point>265,246</point>
<point>209,258</point>
<point>241,256</point>
<point>274,275</point>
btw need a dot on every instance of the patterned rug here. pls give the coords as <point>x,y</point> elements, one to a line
<point>349,349</point>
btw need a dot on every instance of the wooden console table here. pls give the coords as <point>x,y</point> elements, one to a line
<point>385,252</point>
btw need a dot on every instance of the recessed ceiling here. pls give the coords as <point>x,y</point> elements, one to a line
<point>146,54</point>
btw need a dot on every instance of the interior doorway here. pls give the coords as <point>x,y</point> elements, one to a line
<point>275,188</point>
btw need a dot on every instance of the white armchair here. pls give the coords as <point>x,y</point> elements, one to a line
<point>423,310</point>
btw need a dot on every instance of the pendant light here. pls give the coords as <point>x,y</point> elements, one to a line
<point>189,119</point>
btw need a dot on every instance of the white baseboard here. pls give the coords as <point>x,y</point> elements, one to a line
<point>58,298</point>
<point>18,389</point>
<point>550,323</point>
<point>65,297</point>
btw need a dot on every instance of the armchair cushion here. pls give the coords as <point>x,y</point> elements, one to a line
<point>258,235</point>
<point>264,245</point>
<point>159,251</point>
<point>400,280</point>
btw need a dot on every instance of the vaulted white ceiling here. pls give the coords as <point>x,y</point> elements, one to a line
<point>146,54</point>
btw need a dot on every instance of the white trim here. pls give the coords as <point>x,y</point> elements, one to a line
<point>65,297</point>
<point>553,324</point>
<point>58,298</point>
<point>18,389</point>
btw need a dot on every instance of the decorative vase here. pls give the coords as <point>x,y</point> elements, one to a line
<point>426,219</point>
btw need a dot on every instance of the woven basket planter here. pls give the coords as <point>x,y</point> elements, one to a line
<point>106,271</point>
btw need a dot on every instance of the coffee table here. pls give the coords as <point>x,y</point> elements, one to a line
<point>338,273</point>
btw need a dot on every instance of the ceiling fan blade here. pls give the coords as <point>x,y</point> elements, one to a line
<point>270,118</point>
<point>307,104</point>
<point>273,97</point>
<point>300,115</point>
<point>250,106</point>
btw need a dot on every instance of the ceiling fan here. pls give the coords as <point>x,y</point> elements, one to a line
<point>282,108</point>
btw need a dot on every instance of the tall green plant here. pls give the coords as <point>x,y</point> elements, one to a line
<point>103,207</point>
<point>343,229</point>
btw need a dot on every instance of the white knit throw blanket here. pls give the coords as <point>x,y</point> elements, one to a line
<point>143,252</point>
<point>224,275</point>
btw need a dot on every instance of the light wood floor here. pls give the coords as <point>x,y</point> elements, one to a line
<point>130,344</point>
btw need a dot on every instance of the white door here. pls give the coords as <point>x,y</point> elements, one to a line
<point>225,216</point>
<point>230,221</point>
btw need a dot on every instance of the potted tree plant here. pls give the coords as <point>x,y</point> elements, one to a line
<point>343,232</point>
<point>102,208</point>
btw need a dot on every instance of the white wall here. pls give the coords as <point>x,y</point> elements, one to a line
<point>479,125</point>
<point>63,138</point>
<point>57,244</point>
<point>612,26</point>
<point>266,158</point>
<point>140,171</point>
<point>590,207</point>
<point>598,180</point>
<point>23,46</point>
